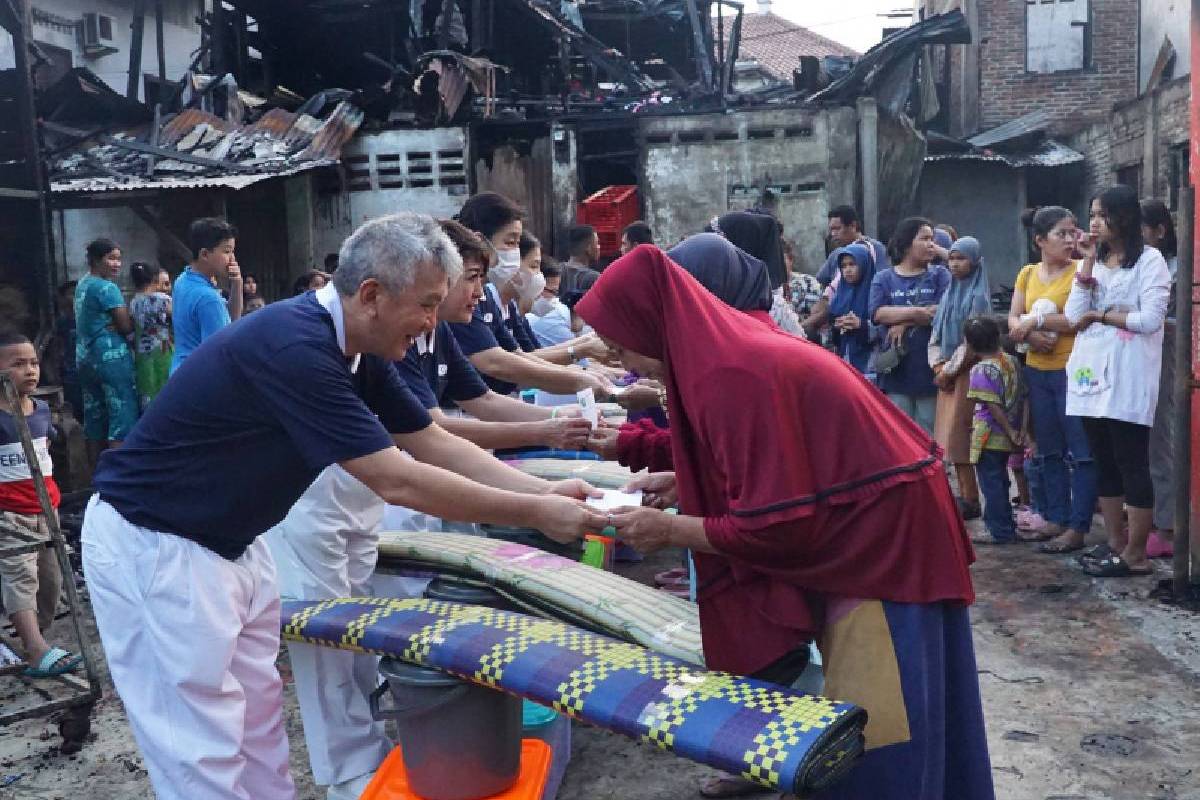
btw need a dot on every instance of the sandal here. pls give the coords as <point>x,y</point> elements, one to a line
<point>1115,567</point>
<point>969,510</point>
<point>1034,535</point>
<point>1056,548</point>
<point>1098,552</point>
<point>987,538</point>
<point>56,662</point>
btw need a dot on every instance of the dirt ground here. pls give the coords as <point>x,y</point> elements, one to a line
<point>1091,690</point>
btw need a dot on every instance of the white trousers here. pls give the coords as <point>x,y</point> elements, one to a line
<point>326,547</point>
<point>191,640</point>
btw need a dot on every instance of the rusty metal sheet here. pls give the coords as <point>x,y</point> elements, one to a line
<point>185,121</point>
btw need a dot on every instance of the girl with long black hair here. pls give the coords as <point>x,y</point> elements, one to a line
<point>1118,304</point>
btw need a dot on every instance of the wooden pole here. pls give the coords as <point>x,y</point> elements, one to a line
<point>158,40</point>
<point>137,29</point>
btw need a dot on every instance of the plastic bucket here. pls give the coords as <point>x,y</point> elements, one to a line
<point>460,741</point>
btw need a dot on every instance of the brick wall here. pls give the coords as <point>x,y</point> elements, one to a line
<point>1120,140</point>
<point>1076,98</point>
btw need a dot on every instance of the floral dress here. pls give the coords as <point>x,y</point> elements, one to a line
<point>153,346</point>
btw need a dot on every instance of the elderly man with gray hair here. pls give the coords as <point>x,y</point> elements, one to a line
<point>181,582</point>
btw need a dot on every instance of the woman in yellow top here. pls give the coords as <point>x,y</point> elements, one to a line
<point>1068,472</point>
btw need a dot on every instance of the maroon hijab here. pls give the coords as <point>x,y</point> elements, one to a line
<point>783,448</point>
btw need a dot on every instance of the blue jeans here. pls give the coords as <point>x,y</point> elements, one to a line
<point>920,409</point>
<point>1037,487</point>
<point>992,473</point>
<point>1068,471</point>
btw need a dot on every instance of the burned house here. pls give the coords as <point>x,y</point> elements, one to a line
<point>299,120</point>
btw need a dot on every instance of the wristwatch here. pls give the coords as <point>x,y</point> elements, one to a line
<point>571,352</point>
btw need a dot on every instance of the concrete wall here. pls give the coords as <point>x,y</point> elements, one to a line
<point>390,171</point>
<point>181,36</point>
<point>1164,19</point>
<point>698,167</point>
<point>980,199</point>
<point>74,228</point>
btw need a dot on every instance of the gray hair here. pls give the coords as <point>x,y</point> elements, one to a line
<point>389,249</point>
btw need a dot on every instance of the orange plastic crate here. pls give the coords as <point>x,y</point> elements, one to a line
<point>391,782</point>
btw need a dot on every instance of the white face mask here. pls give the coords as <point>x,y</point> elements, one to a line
<point>543,306</point>
<point>531,286</point>
<point>500,275</point>
<point>510,257</point>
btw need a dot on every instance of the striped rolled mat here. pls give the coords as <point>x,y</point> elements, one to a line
<point>780,738</point>
<point>562,588</point>
<point>601,474</point>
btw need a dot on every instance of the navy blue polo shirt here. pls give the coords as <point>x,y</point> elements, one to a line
<point>440,375</point>
<point>248,421</point>
<point>485,331</point>
<point>519,327</point>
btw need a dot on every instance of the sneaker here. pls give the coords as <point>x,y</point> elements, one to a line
<point>1029,520</point>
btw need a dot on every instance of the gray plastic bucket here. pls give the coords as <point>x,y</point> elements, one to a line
<point>460,741</point>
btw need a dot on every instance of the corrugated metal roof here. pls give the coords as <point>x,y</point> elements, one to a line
<point>1021,126</point>
<point>1048,154</point>
<point>208,152</point>
<point>233,181</point>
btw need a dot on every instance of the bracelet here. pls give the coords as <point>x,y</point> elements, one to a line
<point>1104,317</point>
<point>571,351</point>
<point>553,413</point>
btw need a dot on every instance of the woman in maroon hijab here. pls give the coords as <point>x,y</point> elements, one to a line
<point>815,509</point>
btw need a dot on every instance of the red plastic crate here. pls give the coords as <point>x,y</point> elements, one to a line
<point>609,211</point>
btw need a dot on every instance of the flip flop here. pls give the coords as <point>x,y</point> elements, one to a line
<point>56,662</point>
<point>1059,548</point>
<point>1115,567</point>
<point>1034,536</point>
<point>1097,552</point>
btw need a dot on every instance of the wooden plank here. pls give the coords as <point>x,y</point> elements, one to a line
<point>19,194</point>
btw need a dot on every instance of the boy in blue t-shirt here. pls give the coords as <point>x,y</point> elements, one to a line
<point>29,582</point>
<point>199,309</point>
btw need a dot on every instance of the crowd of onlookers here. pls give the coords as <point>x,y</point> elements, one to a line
<point>1058,393</point>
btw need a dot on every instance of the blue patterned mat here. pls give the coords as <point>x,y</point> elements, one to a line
<point>780,738</point>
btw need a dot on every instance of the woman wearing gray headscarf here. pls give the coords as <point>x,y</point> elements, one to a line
<point>967,296</point>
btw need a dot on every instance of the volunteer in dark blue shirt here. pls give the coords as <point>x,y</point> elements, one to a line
<point>440,375</point>
<point>488,342</point>
<point>182,586</point>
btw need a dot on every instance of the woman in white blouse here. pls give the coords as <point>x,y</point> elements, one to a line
<point>1118,304</point>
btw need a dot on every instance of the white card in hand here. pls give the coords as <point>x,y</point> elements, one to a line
<point>587,406</point>
<point>615,498</point>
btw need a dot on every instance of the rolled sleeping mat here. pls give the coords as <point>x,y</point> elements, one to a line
<point>558,587</point>
<point>601,474</point>
<point>780,738</point>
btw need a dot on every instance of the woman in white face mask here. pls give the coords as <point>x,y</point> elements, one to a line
<point>490,340</point>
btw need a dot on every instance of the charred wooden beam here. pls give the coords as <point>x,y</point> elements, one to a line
<point>137,29</point>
